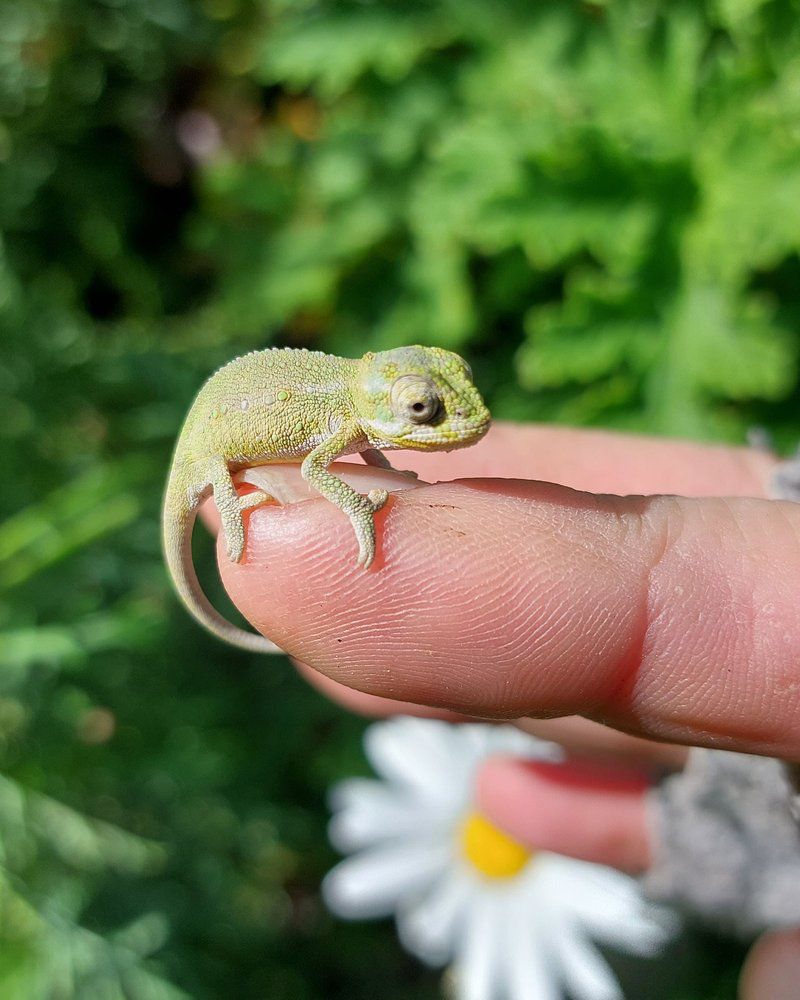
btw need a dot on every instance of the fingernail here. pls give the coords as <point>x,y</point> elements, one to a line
<point>591,775</point>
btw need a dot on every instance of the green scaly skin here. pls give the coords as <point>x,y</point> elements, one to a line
<point>284,405</point>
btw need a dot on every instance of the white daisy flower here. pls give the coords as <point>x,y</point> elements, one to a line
<point>514,924</point>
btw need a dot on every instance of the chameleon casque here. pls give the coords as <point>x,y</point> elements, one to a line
<point>287,405</point>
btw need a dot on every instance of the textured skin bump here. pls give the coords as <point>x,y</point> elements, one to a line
<point>284,405</point>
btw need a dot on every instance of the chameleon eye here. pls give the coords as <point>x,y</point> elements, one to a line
<point>414,398</point>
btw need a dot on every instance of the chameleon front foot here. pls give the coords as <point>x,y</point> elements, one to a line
<point>365,535</point>
<point>363,521</point>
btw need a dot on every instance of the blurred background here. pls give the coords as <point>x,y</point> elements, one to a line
<point>598,204</point>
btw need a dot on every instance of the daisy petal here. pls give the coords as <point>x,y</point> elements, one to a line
<point>610,905</point>
<point>367,812</point>
<point>373,883</point>
<point>529,974</point>
<point>490,741</point>
<point>478,969</point>
<point>428,927</point>
<point>417,753</point>
<point>637,934</point>
<point>584,969</point>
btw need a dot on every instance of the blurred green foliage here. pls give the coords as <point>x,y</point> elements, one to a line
<point>598,203</point>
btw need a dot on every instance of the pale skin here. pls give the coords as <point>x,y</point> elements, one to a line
<point>284,405</point>
<point>704,675</point>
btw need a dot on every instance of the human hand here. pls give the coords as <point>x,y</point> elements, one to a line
<point>666,617</point>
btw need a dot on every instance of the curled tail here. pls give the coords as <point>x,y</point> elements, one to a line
<point>177,523</point>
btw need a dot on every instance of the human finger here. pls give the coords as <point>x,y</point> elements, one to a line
<point>668,617</point>
<point>772,969</point>
<point>583,810</point>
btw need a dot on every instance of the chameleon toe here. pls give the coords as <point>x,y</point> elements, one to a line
<point>377,498</point>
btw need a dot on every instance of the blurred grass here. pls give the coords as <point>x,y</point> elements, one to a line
<point>598,203</point>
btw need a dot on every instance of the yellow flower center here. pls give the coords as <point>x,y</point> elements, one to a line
<point>492,852</point>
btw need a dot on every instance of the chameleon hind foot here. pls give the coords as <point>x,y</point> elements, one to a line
<point>233,525</point>
<point>363,521</point>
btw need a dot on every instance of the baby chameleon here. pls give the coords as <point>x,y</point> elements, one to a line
<point>284,405</point>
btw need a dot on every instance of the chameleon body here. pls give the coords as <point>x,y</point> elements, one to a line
<point>285,405</point>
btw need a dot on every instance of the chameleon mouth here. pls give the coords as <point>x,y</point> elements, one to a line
<point>474,432</point>
<point>463,436</point>
<point>483,426</point>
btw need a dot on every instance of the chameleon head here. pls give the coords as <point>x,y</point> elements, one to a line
<point>421,398</point>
